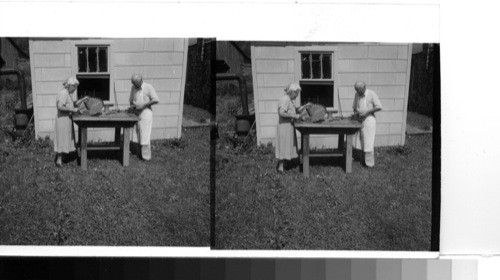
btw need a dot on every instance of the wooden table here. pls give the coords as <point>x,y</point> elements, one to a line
<point>343,127</point>
<point>118,120</point>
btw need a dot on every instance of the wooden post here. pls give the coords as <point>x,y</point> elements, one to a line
<point>83,144</point>
<point>348,154</point>
<point>305,152</point>
<point>126,145</point>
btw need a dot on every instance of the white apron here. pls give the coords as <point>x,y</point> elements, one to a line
<point>365,139</point>
<point>145,123</point>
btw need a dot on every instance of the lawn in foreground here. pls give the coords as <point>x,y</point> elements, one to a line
<point>164,202</point>
<point>385,208</point>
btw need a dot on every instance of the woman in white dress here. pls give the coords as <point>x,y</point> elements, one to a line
<point>365,104</point>
<point>286,145</point>
<point>65,103</point>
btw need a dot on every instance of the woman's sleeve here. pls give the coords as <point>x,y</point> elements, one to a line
<point>62,99</point>
<point>283,108</point>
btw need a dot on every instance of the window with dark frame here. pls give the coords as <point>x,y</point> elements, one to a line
<point>316,78</point>
<point>93,71</point>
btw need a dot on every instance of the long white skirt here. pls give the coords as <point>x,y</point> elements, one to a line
<point>143,127</point>
<point>63,137</point>
<point>286,145</point>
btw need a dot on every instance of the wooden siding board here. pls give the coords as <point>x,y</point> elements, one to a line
<point>159,44</point>
<point>49,60</point>
<point>273,66</point>
<point>126,72</point>
<point>167,84</point>
<point>134,59</point>
<point>128,45</point>
<point>353,52</point>
<point>392,66</point>
<point>179,45</point>
<point>169,58</point>
<point>396,91</point>
<point>268,132</point>
<point>387,79</point>
<point>45,88</point>
<point>55,74</point>
<point>46,100</point>
<point>274,52</point>
<point>349,79</point>
<point>175,97</point>
<point>383,52</point>
<point>269,119</point>
<point>363,65</point>
<point>51,47</point>
<point>46,126</point>
<point>163,71</point>
<point>271,93</point>
<point>403,52</point>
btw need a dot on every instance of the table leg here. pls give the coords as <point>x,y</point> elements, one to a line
<point>126,145</point>
<point>301,156</point>
<point>305,152</point>
<point>348,154</point>
<point>117,135</point>
<point>341,142</point>
<point>83,147</point>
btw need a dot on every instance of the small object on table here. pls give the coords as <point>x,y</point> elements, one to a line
<point>94,106</point>
<point>316,112</point>
<point>330,111</point>
<point>107,104</point>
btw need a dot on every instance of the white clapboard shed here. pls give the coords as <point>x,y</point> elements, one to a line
<point>327,73</point>
<point>104,68</point>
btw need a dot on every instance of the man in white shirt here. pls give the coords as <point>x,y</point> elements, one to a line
<point>142,97</point>
<point>365,104</point>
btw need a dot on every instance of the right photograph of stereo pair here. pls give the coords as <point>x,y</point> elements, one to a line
<point>327,146</point>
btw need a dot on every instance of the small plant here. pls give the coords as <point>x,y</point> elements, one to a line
<point>399,150</point>
<point>176,143</point>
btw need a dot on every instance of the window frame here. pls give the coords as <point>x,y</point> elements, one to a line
<point>94,43</point>
<point>333,50</point>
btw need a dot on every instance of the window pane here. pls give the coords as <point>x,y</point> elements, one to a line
<point>306,70</point>
<point>93,87</point>
<point>327,66</point>
<point>82,60</point>
<point>103,59</point>
<point>92,55</point>
<point>316,66</point>
<point>318,94</point>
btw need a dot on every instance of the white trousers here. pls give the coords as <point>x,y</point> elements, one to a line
<point>144,126</point>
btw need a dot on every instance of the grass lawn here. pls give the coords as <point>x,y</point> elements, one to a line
<point>385,208</point>
<point>164,202</point>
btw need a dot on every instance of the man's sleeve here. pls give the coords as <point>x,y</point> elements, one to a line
<point>131,97</point>
<point>376,101</point>
<point>152,94</point>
